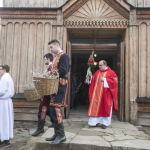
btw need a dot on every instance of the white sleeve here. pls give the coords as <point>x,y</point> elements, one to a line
<point>3,86</point>
<point>105,83</point>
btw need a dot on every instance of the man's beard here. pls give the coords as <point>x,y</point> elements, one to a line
<point>46,63</point>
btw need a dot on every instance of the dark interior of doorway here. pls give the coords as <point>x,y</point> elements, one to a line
<point>79,69</point>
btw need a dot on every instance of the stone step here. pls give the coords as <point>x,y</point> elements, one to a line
<point>88,139</point>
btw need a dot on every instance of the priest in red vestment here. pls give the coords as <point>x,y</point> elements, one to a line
<point>102,96</point>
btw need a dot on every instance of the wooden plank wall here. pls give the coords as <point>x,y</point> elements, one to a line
<point>23,46</point>
<point>33,3</point>
<point>143,116</point>
<point>139,3</point>
<point>144,53</point>
<point>24,110</point>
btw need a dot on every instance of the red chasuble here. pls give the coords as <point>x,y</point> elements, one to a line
<point>100,98</point>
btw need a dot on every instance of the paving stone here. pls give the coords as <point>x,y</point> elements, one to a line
<point>77,122</point>
<point>80,119</point>
<point>30,145</point>
<point>88,141</point>
<point>49,133</point>
<point>32,131</point>
<point>73,128</point>
<point>118,132</point>
<point>131,133</point>
<point>142,138</point>
<point>91,133</point>
<point>131,145</point>
<point>107,130</point>
<point>142,134</point>
<point>86,129</point>
<point>109,138</point>
<point>76,125</point>
<point>87,126</point>
<point>74,146</point>
<point>120,138</point>
<point>41,144</point>
<point>123,126</point>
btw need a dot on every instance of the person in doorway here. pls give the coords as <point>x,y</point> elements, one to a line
<point>60,64</point>
<point>44,105</point>
<point>73,89</point>
<point>6,106</point>
<point>83,92</point>
<point>102,96</point>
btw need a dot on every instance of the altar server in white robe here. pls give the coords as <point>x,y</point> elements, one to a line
<point>6,106</point>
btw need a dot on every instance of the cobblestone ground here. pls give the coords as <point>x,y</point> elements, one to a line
<point>22,134</point>
<point>23,129</point>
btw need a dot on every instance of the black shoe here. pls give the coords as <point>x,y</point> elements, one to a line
<point>60,134</point>
<point>54,136</point>
<point>51,126</point>
<point>40,128</point>
<point>3,144</point>
<point>103,126</point>
<point>7,144</point>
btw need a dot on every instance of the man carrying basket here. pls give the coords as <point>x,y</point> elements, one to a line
<point>60,64</point>
<point>44,106</point>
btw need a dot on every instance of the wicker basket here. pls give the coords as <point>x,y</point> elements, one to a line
<point>46,86</point>
<point>32,95</point>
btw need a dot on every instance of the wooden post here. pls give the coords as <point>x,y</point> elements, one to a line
<point>148,61</point>
<point>69,54</point>
<point>127,91</point>
<point>133,63</point>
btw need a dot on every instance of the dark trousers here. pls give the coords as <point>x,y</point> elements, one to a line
<point>55,114</point>
<point>43,111</point>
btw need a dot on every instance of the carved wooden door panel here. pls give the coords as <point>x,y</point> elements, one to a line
<point>121,84</point>
<point>69,54</point>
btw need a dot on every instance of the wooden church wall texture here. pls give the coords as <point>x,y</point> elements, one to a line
<point>23,45</point>
<point>139,3</point>
<point>33,3</point>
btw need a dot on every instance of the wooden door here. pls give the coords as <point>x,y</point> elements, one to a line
<point>69,54</point>
<point>121,80</point>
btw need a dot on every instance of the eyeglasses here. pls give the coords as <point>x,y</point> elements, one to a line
<point>100,65</point>
<point>1,69</point>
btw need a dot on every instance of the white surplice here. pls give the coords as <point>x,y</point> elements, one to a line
<point>6,107</point>
<point>101,120</point>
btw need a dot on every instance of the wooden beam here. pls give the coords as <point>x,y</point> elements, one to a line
<point>26,110</point>
<point>145,115</point>
<point>26,104</point>
<point>143,109</point>
<point>94,48</point>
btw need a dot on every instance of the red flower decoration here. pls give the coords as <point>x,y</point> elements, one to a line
<point>89,63</point>
<point>93,60</point>
<point>52,72</point>
<point>90,60</point>
<point>92,64</point>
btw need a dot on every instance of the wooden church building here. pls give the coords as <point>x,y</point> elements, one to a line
<point>117,30</point>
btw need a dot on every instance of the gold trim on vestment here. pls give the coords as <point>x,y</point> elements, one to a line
<point>93,95</point>
<point>100,95</point>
